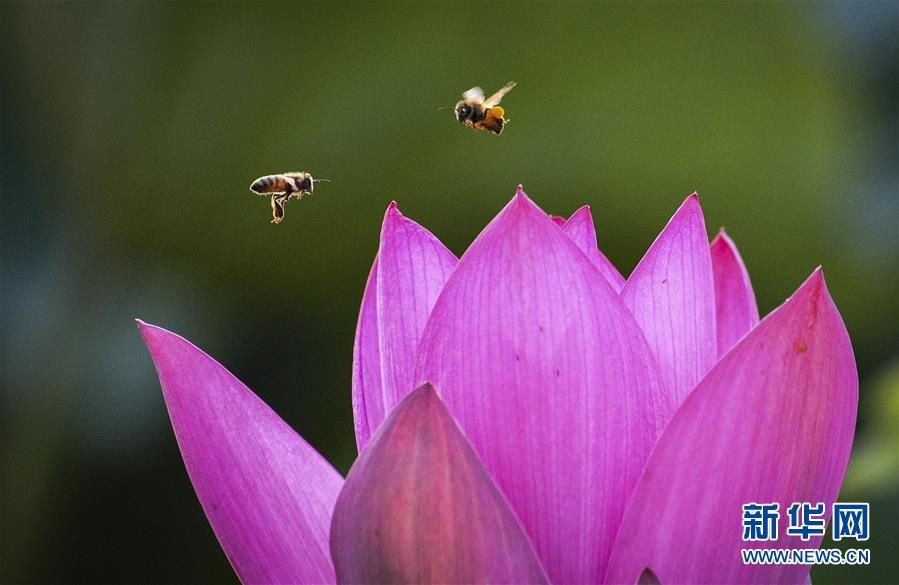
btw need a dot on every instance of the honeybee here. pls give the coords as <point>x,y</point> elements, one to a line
<point>282,187</point>
<point>480,113</point>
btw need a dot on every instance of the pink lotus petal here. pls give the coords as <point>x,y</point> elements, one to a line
<point>772,422</point>
<point>267,494</point>
<point>735,309</point>
<point>419,507</point>
<point>579,228</point>
<point>671,293</point>
<point>558,220</point>
<point>551,381</point>
<point>412,266</point>
<point>368,402</point>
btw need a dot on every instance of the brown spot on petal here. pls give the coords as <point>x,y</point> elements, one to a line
<point>800,347</point>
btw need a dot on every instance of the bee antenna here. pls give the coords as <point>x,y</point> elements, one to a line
<point>445,108</point>
<point>321,180</point>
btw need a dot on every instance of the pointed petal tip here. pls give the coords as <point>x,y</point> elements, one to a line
<point>811,291</point>
<point>648,577</point>
<point>814,284</point>
<point>146,331</point>
<point>393,214</point>
<point>423,399</point>
<point>723,239</point>
<point>582,215</point>
<point>425,392</point>
<point>520,197</point>
<point>689,208</point>
<point>160,340</point>
<point>521,203</point>
<point>149,331</point>
<point>691,202</point>
<point>582,210</point>
<point>393,217</point>
<point>523,198</point>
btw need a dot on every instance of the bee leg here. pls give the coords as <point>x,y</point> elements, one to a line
<point>278,209</point>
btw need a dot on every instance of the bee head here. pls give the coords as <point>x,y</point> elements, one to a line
<point>306,183</point>
<point>463,111</point>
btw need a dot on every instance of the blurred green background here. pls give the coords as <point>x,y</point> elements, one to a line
<point>130,133</point>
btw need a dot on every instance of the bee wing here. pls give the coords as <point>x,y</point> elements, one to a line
<point>475,93</point>
<point>498,96</point>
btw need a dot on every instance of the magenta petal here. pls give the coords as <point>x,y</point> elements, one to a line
<point>671,293</point>
<point>735,309</point>
<point>580,229</point>
<point>267,494</point>
<point>773,421</point>
<point>411,268</point>
<point>419,507</point>
<point>368,402</point>
<point>551,381</point>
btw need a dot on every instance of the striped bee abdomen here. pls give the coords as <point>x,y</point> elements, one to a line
<point>268,184</point>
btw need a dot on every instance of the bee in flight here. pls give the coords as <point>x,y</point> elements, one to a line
<point>480,113</point>
<point>282,187</point>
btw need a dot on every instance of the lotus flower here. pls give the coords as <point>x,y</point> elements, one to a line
<point>526,415</point>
